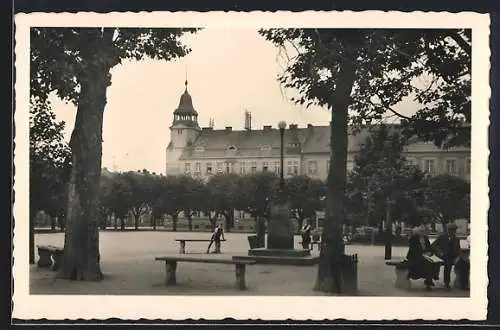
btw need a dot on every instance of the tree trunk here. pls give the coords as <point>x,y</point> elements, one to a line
<point>300,222</point>
<point>136,215</point>
<point>329,278</point>
<point>260,228</point>
<point>174,223</point>
<point>227,218</point>
<point>60,221</point>
<point>32,238</point>
<point>153,219</point>
<point>212,220</point>
<point>122,223</point>
<point>52,223</point>
<point>81,241</point>
<point>190,221</point>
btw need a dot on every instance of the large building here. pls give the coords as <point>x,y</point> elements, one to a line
<point>202,152</point>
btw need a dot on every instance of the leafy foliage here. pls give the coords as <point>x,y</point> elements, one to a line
<point>449,196</point>
<point>224,193</point>
<point>75,63</point>
<point>60,57</point>
<point>256,192</point>
<point>305,195</point>
<point>430,67</point>
<point>380,172</point>
<point>50,162</point>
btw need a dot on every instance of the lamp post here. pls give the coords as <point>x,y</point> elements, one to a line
<point>389,202</point>
<point>281,126</point>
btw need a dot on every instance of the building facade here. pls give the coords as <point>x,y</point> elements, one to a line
<point>203,152</point>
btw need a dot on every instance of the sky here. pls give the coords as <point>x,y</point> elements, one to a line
<point>228,71</point>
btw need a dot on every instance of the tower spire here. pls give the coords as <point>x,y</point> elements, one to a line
<point>186,80</point>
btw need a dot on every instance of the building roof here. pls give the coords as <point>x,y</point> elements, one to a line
<point>227,143</point>
<point>185,104</point>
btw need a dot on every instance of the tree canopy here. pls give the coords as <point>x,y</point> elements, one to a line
<point>380,172</point>
<point>432,68</point>
<point>50,162</point>
<point>75,64</point>
<point>360,75</point>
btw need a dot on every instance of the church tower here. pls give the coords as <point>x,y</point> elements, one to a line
<point>183,132</point>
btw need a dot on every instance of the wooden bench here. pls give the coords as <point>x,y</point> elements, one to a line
<point>50,256</point>
<point>240,267</point>
<point>401,268</point>
<point>182,249</point>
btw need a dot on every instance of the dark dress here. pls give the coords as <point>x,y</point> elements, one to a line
<point>418,266</point>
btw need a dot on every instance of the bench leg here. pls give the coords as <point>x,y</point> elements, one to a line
<point>240,277</point>
<point>402,281</point>
<point>57,261</point>
<point>44,260</point>
<point>182,250</point>
<point>217,247</point>
<point>171,268</point>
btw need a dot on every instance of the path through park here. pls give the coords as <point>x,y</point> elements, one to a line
<point>128,261</point>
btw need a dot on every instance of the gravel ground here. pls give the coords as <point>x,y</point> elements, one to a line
<point>130,269</point>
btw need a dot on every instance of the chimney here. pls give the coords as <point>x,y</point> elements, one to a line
<point>248,121</point>
<point>293,126</point>
<point>310,126</point>
<point>267,127</point>
<point>229,129</point>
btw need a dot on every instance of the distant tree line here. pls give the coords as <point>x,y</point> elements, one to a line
<point>380,172</point>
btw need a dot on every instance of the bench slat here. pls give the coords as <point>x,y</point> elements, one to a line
<point>50,248</point>
<point>208,261</point>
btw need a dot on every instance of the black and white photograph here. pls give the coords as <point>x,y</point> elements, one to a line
<point>314,165</point>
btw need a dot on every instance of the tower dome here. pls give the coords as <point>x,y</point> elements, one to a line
<point>185,107</point>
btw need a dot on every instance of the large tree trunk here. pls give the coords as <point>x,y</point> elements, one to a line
<point>81,244</point>
<point>329,278</point>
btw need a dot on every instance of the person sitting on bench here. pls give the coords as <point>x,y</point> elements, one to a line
<point>418,265</point>
<point>447,247</point>
<point>216,237</point>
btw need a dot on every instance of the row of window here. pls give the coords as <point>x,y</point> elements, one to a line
<point>292,167</point>
<point>450,165</point>
<point>244,167</point>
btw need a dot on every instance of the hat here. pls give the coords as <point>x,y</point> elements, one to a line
<point>452,226</point>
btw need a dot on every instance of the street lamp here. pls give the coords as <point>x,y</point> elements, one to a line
<point>389,202</point>
<point>281,126</point>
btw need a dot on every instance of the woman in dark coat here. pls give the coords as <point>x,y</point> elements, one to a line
<point>418,266</point>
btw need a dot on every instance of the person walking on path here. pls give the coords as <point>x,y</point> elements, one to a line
<point>447,247</point>
<point>217,235</point>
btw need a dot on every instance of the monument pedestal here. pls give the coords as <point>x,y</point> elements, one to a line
<point>280,242</point>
